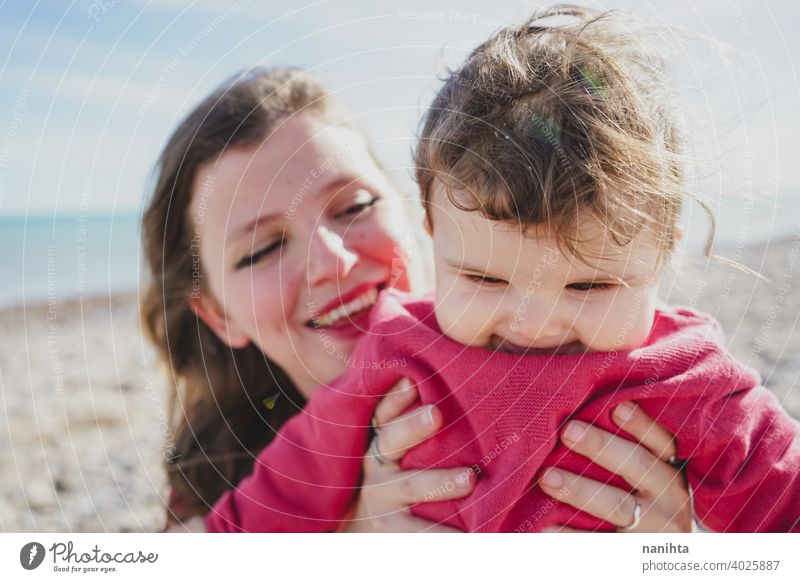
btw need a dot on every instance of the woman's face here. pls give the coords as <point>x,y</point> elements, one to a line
<point>295,237</point>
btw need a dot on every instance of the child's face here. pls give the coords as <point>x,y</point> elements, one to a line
<point>499,289</point>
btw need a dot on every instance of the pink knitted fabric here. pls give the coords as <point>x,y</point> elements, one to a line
<point>503,414</point>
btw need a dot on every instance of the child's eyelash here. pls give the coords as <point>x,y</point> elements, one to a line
<point>485,280</point>
<point>589,286</point>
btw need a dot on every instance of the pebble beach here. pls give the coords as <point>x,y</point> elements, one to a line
<point>84,428</point>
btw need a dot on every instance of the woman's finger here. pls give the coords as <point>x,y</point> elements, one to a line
<point>407,487</point>
<point>401,396</point>
<point>636,422</point>
<point>637,465</point>
<point>384,498</point>
<point>407,431</point>
<point>606,502</point>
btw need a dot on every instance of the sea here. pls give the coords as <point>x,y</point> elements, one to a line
<point>46,257</point>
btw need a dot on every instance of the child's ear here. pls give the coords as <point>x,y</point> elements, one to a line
<point>214,317</point>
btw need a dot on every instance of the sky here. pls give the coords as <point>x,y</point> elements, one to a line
<point>89,91</point>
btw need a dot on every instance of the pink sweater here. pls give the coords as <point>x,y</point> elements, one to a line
<point>503,415</point>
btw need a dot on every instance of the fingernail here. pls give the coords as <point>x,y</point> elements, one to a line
<point>575,431</point>
<point>427,416</point>
<point>553,479</point>
<point>549,530</point>
<point>463,479</point>
<point>624,412</point>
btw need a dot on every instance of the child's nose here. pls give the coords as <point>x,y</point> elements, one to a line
<point>538,320</point>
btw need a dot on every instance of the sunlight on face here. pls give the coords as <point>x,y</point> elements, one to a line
<point>498,288</point>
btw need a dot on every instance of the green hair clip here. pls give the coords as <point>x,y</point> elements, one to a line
<point>592,81</point>
<point>270,401</point>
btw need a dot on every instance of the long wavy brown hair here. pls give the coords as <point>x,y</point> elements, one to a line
<point>222,404</point>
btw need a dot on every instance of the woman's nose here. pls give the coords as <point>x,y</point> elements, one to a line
<point>328,258</point>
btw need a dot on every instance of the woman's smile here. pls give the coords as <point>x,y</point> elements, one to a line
<point>347,315</point>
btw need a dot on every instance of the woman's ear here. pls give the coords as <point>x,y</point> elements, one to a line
<point>214,317</point>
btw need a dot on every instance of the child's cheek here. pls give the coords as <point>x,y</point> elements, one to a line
<point>447,316</point>
<point>622,324</point>
<point>458,313</point>
<point>637,324</point>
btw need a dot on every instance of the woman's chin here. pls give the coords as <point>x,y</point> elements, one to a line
<point>327,369</point>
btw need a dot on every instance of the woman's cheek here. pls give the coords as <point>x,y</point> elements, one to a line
<point>273,305</point>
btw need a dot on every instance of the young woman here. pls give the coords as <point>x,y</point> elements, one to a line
<point>269,212</point>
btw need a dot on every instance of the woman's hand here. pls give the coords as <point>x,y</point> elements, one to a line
<point>388,491</point>
<point>661,490</point>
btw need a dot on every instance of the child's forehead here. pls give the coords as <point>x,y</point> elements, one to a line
<point>494,241</point>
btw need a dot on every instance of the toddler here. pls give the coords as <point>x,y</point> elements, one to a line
<point>549,165</point>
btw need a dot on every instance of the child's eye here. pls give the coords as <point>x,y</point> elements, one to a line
<point>260,254</point>
<point>589,286</point>
<point>355,210</point>
<point>483,280</point>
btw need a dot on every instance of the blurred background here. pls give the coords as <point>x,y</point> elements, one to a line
<point>89,92</point>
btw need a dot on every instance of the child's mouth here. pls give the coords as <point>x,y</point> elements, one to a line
<point>504,345</point>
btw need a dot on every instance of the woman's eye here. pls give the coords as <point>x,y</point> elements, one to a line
<point>589,286</point>
<point>260,254</point>
<point>483,280</point>
<point>358,208</point>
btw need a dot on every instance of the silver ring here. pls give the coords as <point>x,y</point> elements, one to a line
<point>637,517</point>
<point>376,453</point>
<point>676,463</point>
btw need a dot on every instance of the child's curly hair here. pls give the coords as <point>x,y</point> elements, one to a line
<point>569,111</point>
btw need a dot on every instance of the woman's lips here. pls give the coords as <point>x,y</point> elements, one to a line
<point>345,298</point>
<point>352,326</point>
<point>348,311</point>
